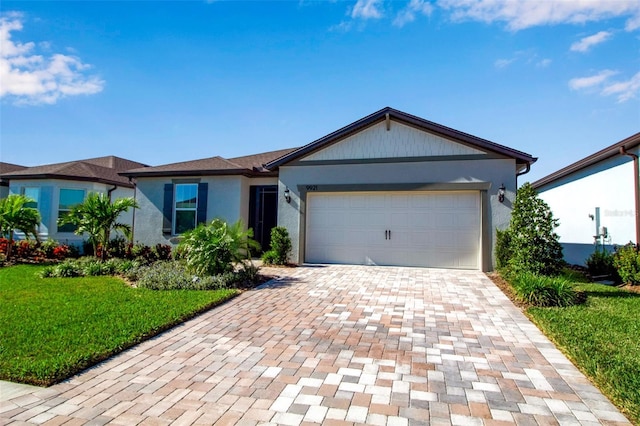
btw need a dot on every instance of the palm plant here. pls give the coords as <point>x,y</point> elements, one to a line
<point>14,214</point>
<point>97,216</point>
<point>213,248</point>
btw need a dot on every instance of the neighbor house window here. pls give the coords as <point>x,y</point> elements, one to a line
<point>34,194</point>
<point>185,207</point>
<point>68,199</point>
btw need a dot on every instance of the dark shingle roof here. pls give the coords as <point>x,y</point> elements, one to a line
<point>8,168</point>
<point>604,154</point>
<point>250,165</point>
<point>102,169</point>
<point>378,116</point>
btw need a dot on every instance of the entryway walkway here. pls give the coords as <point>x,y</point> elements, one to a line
<point>336,345</point>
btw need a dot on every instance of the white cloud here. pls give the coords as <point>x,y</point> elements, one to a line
<point>591,81</point>
<point>601,82</point>
<point>367,9</point>
<point>587,42</point>
<point>408,14</point>
<point>544,63</point>
<point>625,90</point>
<point>28,78</point>
<point>520,14</point>
<point>503,63</point>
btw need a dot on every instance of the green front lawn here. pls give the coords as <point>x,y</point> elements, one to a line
<point>602,338</point>
<point>53,328</point>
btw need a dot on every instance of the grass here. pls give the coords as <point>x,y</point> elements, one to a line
<point>53,328</point>
<point>602,337</point>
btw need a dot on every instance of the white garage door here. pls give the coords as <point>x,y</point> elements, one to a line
<point>431,229</point>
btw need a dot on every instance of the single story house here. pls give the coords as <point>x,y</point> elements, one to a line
<point>4,183</point>
<point>388,189</point>
<point>596,200</point>
<point>56,188</point>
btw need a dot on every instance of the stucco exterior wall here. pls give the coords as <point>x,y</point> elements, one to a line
<point>489,172</point>
<point>49,199</point>
<point>607,185</point>
<point>224,201</point>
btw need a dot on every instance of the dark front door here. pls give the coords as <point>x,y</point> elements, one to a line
<point>263,213</point>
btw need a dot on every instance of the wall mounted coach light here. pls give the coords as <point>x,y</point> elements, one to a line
<point>501,192</point>
<point>287,195</point>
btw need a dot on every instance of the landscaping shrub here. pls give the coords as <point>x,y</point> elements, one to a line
<point>503,248</point>
<point>27,249</point>
<point>214,248</point>
<point>117,247</point>
<point>280,247</point>
<point>143,253</point>
<point>532,244</point>
<point>627,262</point>
<point>162,251</point>
<point>89,266</point>
<point>600,263</point>
<point>543,291</point>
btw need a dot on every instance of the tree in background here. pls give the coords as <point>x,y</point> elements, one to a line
<point>97,216</point>
<point>15,215</point>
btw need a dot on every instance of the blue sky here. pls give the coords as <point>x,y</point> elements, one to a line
<point>159,82</point>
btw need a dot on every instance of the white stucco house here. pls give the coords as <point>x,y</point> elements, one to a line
<point>56,188</point>
<point>596,192</point>
<point>388,189</point>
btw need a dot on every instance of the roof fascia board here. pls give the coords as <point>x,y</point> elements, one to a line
<point>243,172</point>
<point>64,177</point>
<point>602,155</point>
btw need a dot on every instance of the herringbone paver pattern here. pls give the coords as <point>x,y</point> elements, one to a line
<point>336,345</point>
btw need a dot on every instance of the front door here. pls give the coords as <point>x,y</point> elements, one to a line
<point>263,213</point>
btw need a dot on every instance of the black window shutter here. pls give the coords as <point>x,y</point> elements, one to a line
<point>167,209</point>
<point>203,189</point>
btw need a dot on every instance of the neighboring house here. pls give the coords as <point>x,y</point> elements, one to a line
<point>56,188</point>
<point>389,189</point>
<point>595,192</point>
<point>4,183</point>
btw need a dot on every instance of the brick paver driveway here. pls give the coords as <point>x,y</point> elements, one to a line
<point>337,345</point>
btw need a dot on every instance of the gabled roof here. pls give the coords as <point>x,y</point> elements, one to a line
<point>7,168</point>
<point>250,165</point>
<point>602,155</point>
<point>420,123</point>
<point>101,169</point>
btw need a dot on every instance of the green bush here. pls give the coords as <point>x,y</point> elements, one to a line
<point>543,291</point>
<point>627,262</point>
<point>503,249</point>
<point>176,276</point>
<point>601,263</point>
<point>67,270</point>
<point>89,266</point>
<point>280,247</point>
<point>533,245</point>
<point>214,248</point>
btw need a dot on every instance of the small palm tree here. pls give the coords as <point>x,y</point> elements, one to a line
<point>14,214</point>
<point>97,216</point>
<point>214,248</point>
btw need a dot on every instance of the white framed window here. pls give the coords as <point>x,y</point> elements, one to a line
<point>68,199</point>
<point>185,207</point>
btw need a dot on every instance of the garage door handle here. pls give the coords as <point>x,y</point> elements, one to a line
<point>386,234</point>
<point>389,234</point>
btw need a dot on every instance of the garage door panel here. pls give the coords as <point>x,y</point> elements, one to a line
<point>432,229</point>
